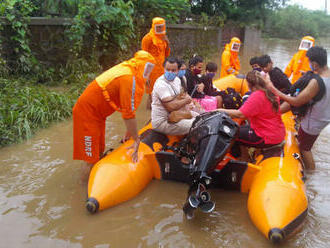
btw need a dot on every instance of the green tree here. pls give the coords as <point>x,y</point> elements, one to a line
<point>172,11</point>
<point>241,11</point>
<point>17,53</point>
<point>296,22</point>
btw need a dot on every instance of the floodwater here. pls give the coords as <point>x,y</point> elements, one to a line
<point>42,203</point>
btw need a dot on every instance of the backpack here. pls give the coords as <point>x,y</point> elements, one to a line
<point>301,84</point>
<point>231,99</point>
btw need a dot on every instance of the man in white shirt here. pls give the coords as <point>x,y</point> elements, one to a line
<point>166,98</point>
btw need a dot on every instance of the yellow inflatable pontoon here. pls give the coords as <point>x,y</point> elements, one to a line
<point>277,202</point>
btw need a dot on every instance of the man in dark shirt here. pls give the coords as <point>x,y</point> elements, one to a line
<point>277,76</point>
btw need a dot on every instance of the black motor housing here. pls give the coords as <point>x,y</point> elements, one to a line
<point>211,136</point>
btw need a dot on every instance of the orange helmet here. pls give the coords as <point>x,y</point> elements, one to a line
<point>306,43</point>
<point>235,44</point>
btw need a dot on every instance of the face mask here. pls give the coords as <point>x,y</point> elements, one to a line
<point>181,73</point>
<point>170,76</point>
<point>197,71</point>
<point>211,74</point>
<point>311,66</point>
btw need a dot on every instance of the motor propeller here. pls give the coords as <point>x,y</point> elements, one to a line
<point>209,139</point>
<point>199,198</point>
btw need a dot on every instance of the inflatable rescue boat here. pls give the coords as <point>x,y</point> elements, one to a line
<point>277,201</point>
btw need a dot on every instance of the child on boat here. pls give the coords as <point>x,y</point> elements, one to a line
<point>254,63</point>
<point>200,88</point>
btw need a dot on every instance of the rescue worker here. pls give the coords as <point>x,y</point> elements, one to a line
<point>157,44</point>
<point>299,63</point>
<point>229,60</point>
<point>118,89</point>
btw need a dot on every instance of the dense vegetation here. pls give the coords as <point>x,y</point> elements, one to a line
<point>103,28</point>
<point>296,22</point>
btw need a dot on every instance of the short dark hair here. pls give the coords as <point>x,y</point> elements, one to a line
<point>264,60</point>
<point>180,63</point>
<point>195,60</point>
<point>254,60</point>
<point>317,54</point>
<point>211,67</point>
<point>171,60</point>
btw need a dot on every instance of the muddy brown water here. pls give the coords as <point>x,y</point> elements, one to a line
<point>43,205</point>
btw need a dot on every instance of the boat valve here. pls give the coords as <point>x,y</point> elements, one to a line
<point>298,157</point>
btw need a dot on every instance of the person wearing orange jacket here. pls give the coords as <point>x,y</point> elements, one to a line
<point>118,89</point>
<point>299,64</point>
<point>229,60</point>
<point>157,44</point>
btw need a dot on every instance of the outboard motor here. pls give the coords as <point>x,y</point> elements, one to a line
<point>211,136</point>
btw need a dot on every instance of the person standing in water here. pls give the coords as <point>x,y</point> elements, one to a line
<point>157,44</point>
<point>299,63</point>
<point>230,63</point>
<point>318,114</point>
<point>118,89</point>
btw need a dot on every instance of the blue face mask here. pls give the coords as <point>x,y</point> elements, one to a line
<point>170,76</point>
<point>310,65</point>
<point>211,74</point>
<point>181,73</point>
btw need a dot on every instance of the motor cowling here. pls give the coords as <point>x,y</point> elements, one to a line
<point>210,137</point>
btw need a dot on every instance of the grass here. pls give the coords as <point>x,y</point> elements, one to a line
<point>26,106</point>
<point>31,102</point>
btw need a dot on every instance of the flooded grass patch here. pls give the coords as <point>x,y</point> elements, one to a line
<point>25,107</point>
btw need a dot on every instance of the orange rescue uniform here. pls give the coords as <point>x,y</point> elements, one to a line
<point>120,88</point>
<point>153,43</point>
<point>230,63</point>
<point>299,63</point>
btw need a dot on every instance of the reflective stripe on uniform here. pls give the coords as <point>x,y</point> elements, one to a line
<point>133,94</point>
<point>230,70</point>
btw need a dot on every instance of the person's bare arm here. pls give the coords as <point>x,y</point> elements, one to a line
<point>285,107</point>
<point>131,127</point>
<point>233,113</point>
<point>168,44</point>
<point>304,97</point>
<point>171,104</point>
<point>200,87</point>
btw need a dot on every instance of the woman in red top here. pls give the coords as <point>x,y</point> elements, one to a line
<point>265,126</point>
